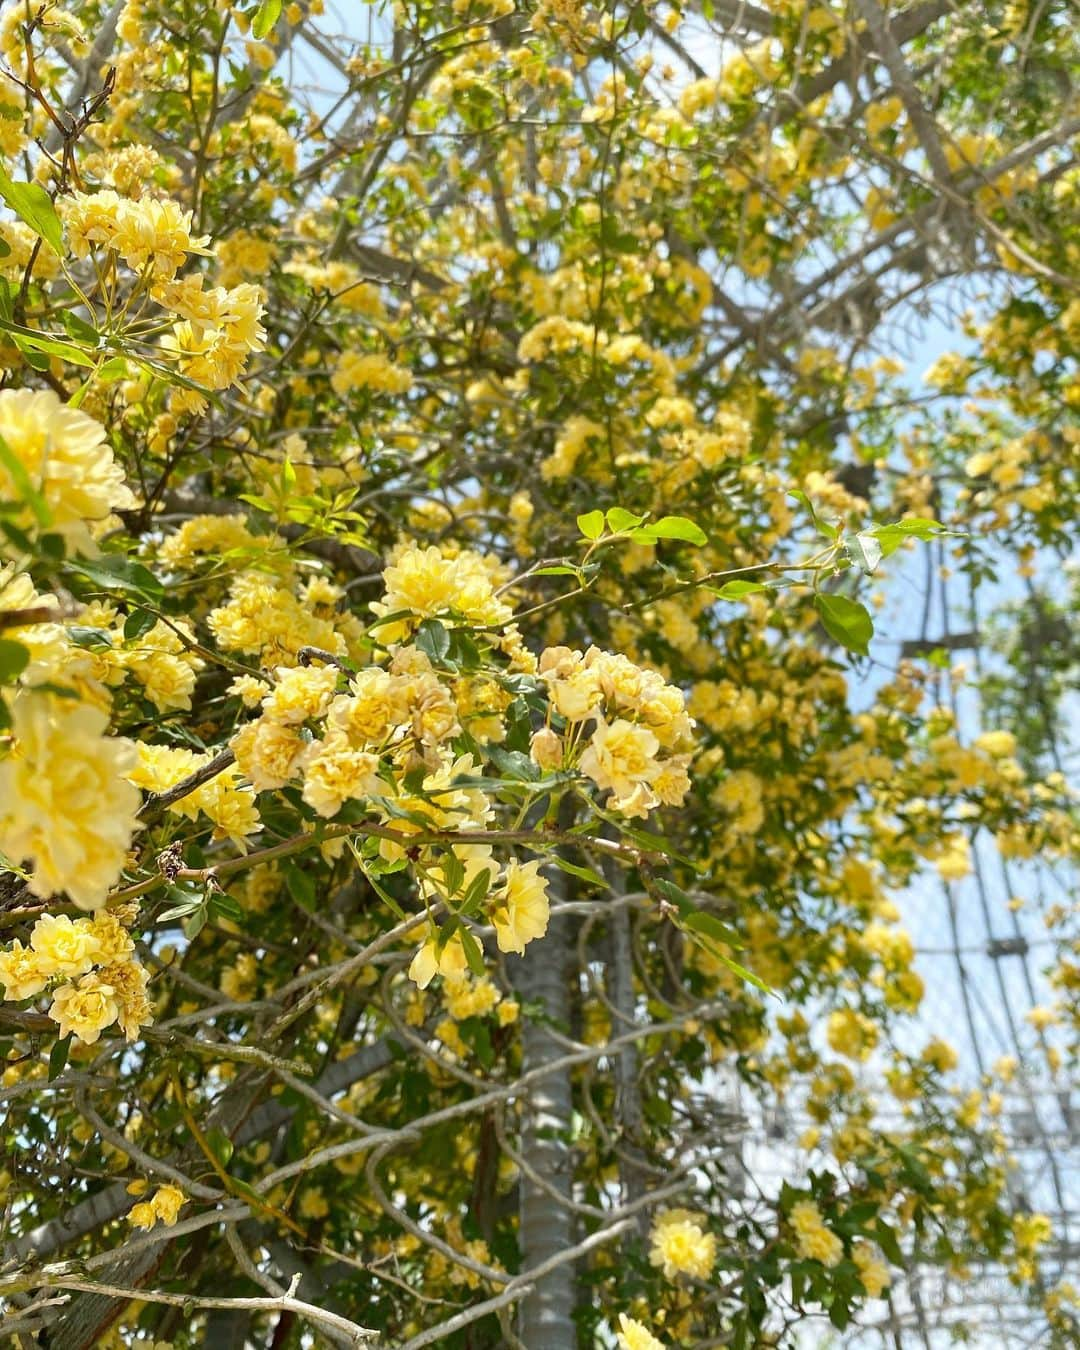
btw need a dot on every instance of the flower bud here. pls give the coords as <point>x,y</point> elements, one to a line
<point>546,749</point>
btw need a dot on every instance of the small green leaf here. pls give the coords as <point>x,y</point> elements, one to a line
<point>829,531</point>
<point>80,330</point>
<point>618,519</point>
<point>558,570</point>
<point>433,640</point>
<point>223,906</point>
<point>14,658</point>
<point>38,347</point>
<point>582,873</point>
<point>58,1057</point>
<point>476,892</point>
<point>453,872</point>
<point>221,1146</point>
<point>138,622</point>
<point>114,573</point>
<point>712,927</point>
<point>886,1239</point>
<point>846,621</point>
<point>474,953</point>
<point>179,911</point>
<point>474,1032</point>
<point>300,885</point>
<point>674,895</point>
<point>865,551</point>
<point>891,536</point>
<point>673,527</point>
<point>591,524</point>
<point>194,925</point>
<point>32,203</point>
<point>266,16</point>
<point>737,590</point>
<point>737,969</point>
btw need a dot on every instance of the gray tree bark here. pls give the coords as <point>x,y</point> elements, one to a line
<point>546,1319</point>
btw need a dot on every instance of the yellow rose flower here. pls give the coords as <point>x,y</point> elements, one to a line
<point>85,1009</point>
<point>66,947</point>
<point>521,907</point>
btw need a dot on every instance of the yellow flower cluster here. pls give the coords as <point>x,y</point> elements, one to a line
<point>64,457</point>
<point>634,1336</point>
<point>519,910</point>
<point>164,1206</point>
<point>266,618</point>
<point>469,997</point>
<point>873,1272</point>
<point>428,583</point>
<point>206,534</point>
<point>147,234</point>
<point>570,444</point>
<point>640,746</point>
<point>369,370</point>
<point>224,800</point>
<point>218,330</point>
<point>89,999</point>
<point>851,1033</point>
<point>66,806</point>
<point>681,1245</point>
<point>816,1242</point>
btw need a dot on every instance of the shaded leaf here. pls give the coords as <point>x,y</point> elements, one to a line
<point>846,621</point>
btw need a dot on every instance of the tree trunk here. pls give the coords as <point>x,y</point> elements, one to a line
<point>547,1227</point>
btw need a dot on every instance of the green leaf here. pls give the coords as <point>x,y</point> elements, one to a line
<point>433,640</point>
<point>558,570</point>
<point>886,1240</point>
<point>114,573</point>
<point>846,621</point>
<point>300,885</point>
<point>221,1146</point>
<point>266,16</point>
<point>829,531</point>
<point>380,891</point>
<point>618,519</point>
<point>453,871</point>
<point>80,330</point>
<point>58,1057</point>
<point>194,925</point>
<point>673,527</point>
<point>591,524</point>
<point>179,911</point>
<point>138,622</point>
<point>582,873</point>
<point>891,536</point>
<point>14,658</point>
<point>28,342</point>
<point>474,953</point>
<point>865,551</point>
<point>223,906</point>
<point>15,467</point>
<point>513,764</point>
<point>712,927</point>
<point>737,590</point>
<point>32,203</point>
<point>736,968</point>
<point>674,895</point>
<point>474,1032</point>
<point>476,892</point>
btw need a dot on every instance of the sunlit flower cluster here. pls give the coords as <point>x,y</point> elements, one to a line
<point>640,746</point>
<point>90,967</point>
